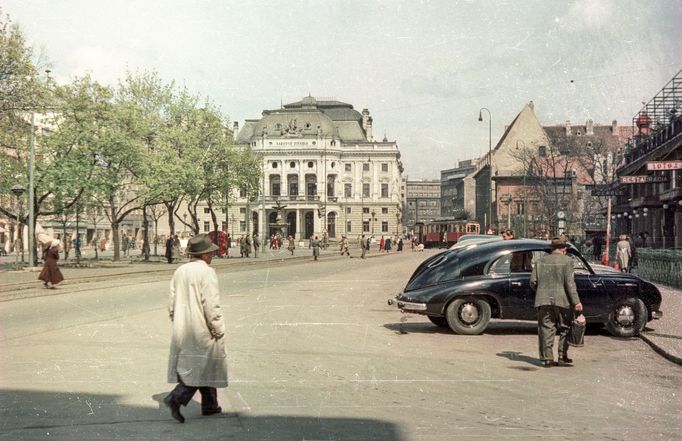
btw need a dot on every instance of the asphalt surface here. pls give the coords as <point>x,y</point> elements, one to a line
<point>316,353</point>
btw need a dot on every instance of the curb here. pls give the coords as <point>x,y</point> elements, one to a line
<point>660,351</point>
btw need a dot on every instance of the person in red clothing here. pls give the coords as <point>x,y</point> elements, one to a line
<point>51,275</point>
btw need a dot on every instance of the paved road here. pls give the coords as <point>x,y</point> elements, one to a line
<point>315,353</point>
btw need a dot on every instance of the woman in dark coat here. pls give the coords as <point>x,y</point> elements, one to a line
<point>50,275</point>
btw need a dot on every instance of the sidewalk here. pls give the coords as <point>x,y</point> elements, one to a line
<point>665,335</point>
<point>12,279</point>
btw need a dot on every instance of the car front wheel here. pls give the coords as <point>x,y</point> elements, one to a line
<point>468,316</point>
<point>627,318</point>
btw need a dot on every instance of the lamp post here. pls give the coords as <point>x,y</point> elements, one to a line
<point>490,160</point>
<point>18,191</point>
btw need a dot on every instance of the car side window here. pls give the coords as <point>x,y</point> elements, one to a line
<point>501,266</point>
<point>521,262</point>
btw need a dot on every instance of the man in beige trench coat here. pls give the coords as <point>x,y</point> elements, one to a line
<point>198,359</point>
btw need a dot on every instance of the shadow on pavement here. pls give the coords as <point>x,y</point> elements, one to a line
<point>417,328</point>
<point>518,356</point>
<point>33,415</point>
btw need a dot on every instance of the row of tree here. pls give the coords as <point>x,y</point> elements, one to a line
<point>120,149</point>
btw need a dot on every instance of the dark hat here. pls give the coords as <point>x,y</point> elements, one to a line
<point>558,242</point>
<point>201,244</point>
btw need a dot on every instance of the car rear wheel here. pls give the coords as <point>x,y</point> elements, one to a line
<point>627,318</point>
<point>468,316</point>
<point>439,321</point>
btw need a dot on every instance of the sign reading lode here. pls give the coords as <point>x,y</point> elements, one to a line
<point>641,179</point>
<point>664,165</point>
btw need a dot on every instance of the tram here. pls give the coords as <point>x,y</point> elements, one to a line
<point>444,232</point>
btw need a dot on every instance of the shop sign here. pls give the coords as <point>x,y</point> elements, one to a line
<point>622,191</point>
<point>664,165</point>
<point>641,179</point>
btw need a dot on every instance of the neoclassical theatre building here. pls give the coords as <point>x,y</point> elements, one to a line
<point>324,170</point>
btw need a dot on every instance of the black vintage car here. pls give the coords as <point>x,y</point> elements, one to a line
<point>465,288</point>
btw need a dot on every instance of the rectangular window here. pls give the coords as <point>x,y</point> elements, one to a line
<point>349,210</point>
<point>365,167</point>
<point>242,225</point>
<point>384,210</point>
<point>365,190</point>
<point>520,209</point>
<point>275,189</point>
<point>242,193</point>
<point>242,210</point>
<point>207,210</point>
<point>349,226</point>
<point>293,189</point>
<point>348,190</point>
<point>348,167</point>
<point>207,226</point>
<point>365,226</point>
<point>365,210</point>
<point>224,226</point>
<point>384,190</point>
<point>384,226</point>
<point>384,167</point>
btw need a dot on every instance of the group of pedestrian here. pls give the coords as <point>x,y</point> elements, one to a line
<point>173,249</point>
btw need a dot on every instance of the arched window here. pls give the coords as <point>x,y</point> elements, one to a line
<point>331,224</point>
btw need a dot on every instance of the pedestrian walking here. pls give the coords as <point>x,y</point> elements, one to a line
<point>344,246</point>
<point>51,275</point>
<point>382,243</point>
<point>256,245</point>
<point>291,244</point>
<point>388,244</point>
<point>229,245</point>
<point>198,358</point>
<point>176,249</point>
<point>597,244</point>
<point>247,245</point>
<point>169,249</point>
<point>316,247</point>
<point>556,297</point>
<point>124,244</point>
<point>325,240</point>
<point>364,245</point>
<point>623,253</point>
<point>633,252</point>
<point>400,245</point>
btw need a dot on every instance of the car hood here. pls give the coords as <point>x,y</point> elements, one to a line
<point>603,269</point>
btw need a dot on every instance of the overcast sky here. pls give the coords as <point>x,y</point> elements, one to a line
<point>423,68</point>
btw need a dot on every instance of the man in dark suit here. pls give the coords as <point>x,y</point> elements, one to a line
<point>555,298</point>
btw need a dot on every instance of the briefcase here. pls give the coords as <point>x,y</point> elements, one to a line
<point>576,335</point>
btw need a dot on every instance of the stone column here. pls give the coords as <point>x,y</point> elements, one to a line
<point>299,227</point>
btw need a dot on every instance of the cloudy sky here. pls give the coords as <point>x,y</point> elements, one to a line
<point>423,68</point>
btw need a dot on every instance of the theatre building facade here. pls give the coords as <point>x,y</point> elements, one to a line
<point>323,171</point>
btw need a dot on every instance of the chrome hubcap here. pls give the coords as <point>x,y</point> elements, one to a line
<point>468,313</point>
<point>625,316</point>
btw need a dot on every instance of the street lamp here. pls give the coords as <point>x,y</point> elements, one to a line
<point>18,191</point>
<point>490,160</point>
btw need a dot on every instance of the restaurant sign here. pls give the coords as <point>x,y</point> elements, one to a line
<point>664,165</point>
<point>641,179</point>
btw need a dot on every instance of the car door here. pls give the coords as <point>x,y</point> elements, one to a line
<point>511,283</point>
<point>596,292</point>
<point>520,292</point>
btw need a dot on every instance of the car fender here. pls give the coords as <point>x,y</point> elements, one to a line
<point>492,298</point>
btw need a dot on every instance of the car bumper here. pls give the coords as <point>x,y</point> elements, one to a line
<point>655,315</point>
<point>408,306</point>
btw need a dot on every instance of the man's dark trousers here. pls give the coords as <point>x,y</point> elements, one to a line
<point>182,394</point>
<point>553,320</point>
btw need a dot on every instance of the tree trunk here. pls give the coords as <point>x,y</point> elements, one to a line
<point>145,237</point>
<point>114,230</point>
<point>170,207</point>
<point>156,236</point>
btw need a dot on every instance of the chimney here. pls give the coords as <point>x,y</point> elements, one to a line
<point>589,127</point>
<point>568,128</point>
<point>235,129</point>
<point>614,126</point>
<point>531,104</point>
<point>365,116</point>
<point>368,129</point>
